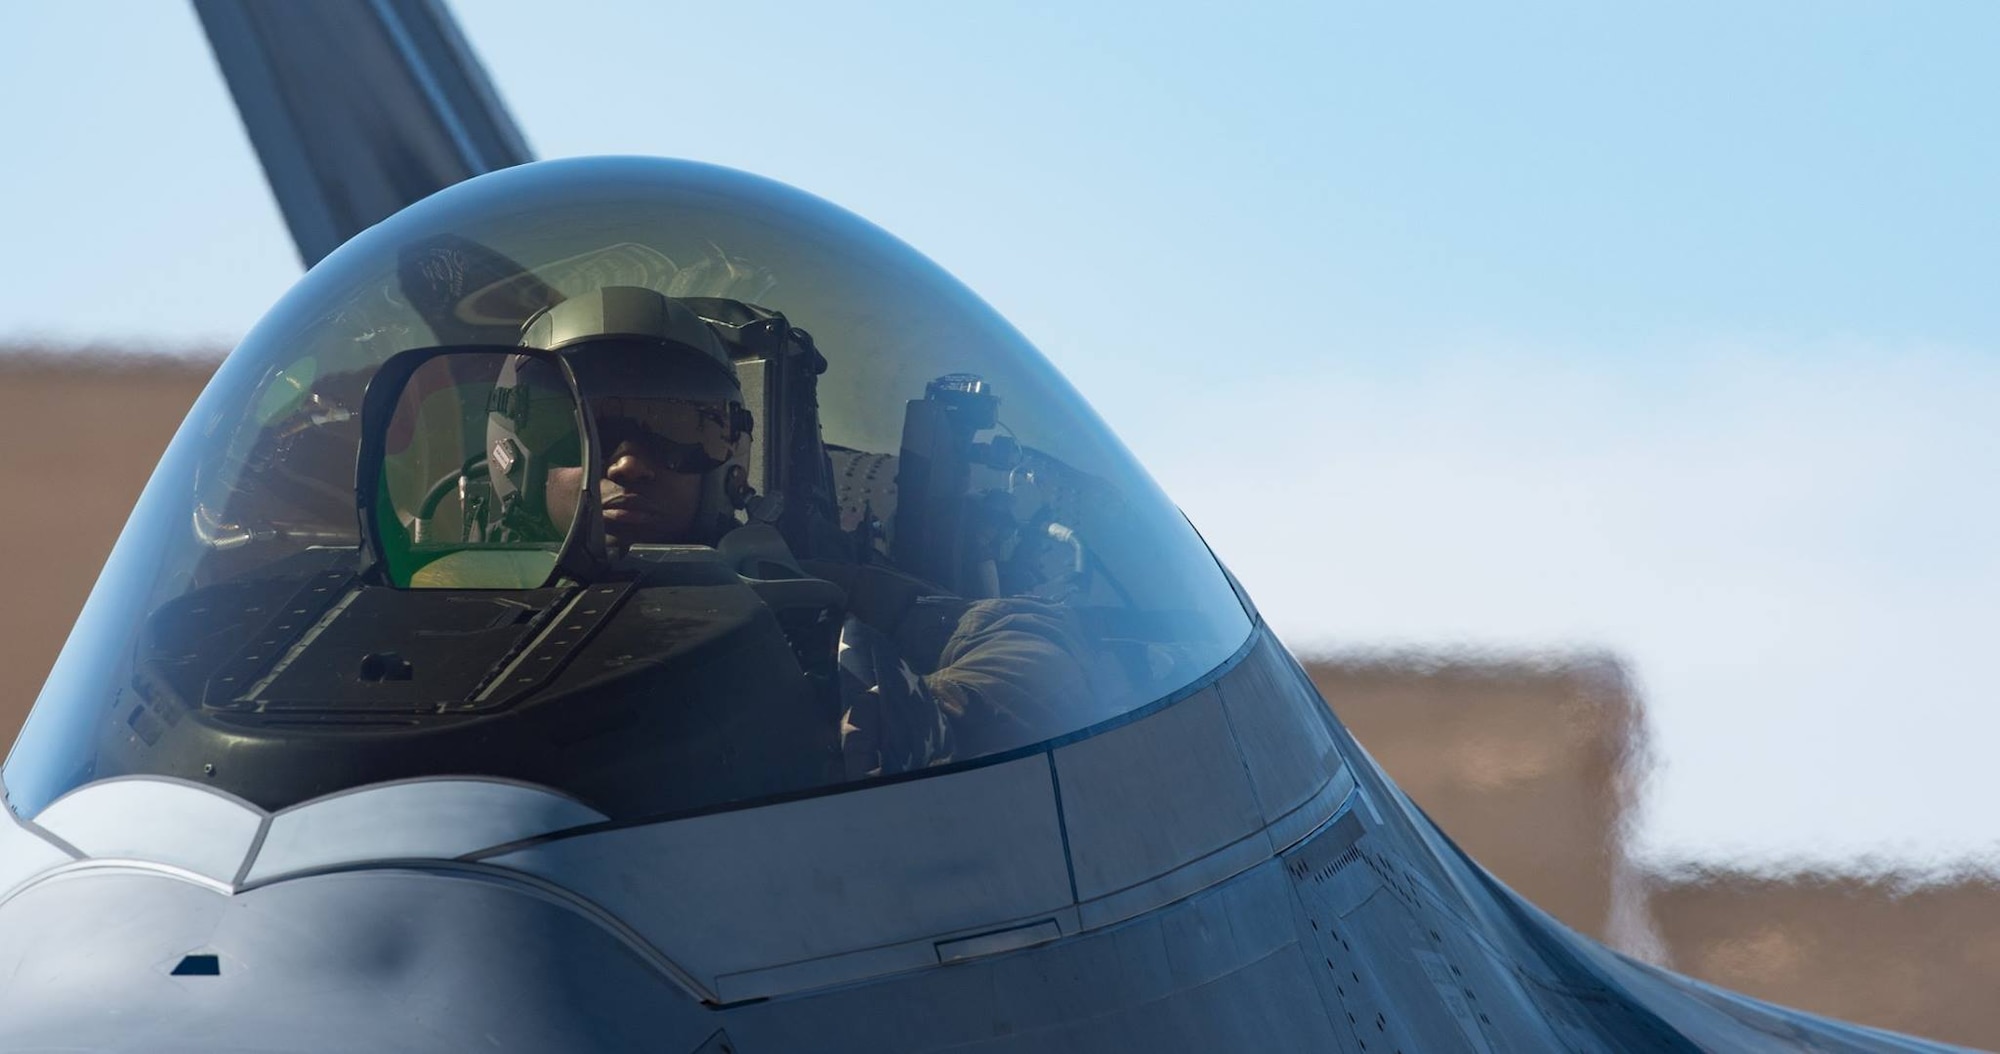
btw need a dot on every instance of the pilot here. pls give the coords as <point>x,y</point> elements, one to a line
<point>675,434</point>
<point>669,413</point>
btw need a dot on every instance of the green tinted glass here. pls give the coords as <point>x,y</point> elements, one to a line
<point>480,473</point>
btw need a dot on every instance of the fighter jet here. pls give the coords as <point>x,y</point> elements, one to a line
<point>625,604</point>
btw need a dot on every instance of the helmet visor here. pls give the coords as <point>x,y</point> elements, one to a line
<point>678,435</point>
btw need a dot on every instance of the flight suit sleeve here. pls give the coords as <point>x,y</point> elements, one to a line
<point>1008,673</point>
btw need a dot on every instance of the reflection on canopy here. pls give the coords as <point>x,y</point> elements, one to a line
<point>926,550</point>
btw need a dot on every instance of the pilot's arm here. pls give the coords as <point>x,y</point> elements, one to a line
<point>1009,673</point>
<point>1009,667</point>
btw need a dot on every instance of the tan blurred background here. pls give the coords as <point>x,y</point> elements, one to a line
<point>1532,764</point>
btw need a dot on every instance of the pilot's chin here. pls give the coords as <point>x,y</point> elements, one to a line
<point>625,527</point>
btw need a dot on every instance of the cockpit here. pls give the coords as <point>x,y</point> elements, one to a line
<point>655,484</point>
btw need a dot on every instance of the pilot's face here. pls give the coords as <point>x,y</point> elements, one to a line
<point>645,498</point>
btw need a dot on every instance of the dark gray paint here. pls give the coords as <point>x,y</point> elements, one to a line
<point>1280,728</point>
<point>853,922</point>
<point>878,875</point>
<point>369,961</point>
<point>434,819</point>
<point>1146,798</point>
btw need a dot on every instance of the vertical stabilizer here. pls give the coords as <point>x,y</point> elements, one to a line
<point>357,109</point>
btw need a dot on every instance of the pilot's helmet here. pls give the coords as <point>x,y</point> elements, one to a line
<point>655,375</point>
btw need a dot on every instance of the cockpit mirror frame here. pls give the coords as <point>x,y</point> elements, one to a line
<point>582,554</point>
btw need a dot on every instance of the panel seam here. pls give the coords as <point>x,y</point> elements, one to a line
<point>1062,827</point>
<point>1235,740</point>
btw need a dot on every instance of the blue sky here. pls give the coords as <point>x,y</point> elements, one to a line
<point>1662,329</point>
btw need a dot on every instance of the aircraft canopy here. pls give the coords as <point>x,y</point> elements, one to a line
<point>914,547</point>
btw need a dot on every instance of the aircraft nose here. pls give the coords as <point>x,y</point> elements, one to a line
<point>128,959</point>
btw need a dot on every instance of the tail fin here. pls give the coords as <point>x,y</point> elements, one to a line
<point>357,109</point>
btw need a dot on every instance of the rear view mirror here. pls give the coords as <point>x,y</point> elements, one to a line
<point>473,470</point>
